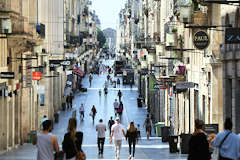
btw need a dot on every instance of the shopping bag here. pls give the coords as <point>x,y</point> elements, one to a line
<point>215,154</point>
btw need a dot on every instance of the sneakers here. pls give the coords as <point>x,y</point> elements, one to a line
<point>130,157</point>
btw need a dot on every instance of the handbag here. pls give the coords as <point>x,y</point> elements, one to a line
<point>80,155</point>
<point>216,152</point>
<point>59,155</point>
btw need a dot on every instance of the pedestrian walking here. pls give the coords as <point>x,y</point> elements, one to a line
<point>101,129</point>
<point>198,144</point>
<point>227,142</point>
<point>115,105</point>
<point>68,102</point>
<point>120,109</point>
<point>148,126</point>
<point>90,79</point>
<point>138,131</point>
<point>110,124</point>
<point>118,82</point>
<point>64,101</point>
<point>119,95</point>
<point>131,136</point>
<point>71,100</point>
<point>93,113</point>
<point>117,133</point>
<point>81,111</point>
<point>72,142</point>
<point>46,142</point>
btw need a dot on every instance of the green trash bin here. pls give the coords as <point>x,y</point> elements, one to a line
<point>31,136</point>
<point>158,128</point>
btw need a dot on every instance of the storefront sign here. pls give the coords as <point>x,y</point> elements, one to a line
<point>36,76</point>
<point>7,75</point>
<point>211,128</point>
<point>201,40</point>
<point>184,85</point>
<point>232,35</point>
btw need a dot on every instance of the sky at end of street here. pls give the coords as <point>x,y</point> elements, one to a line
<point>108,11</point>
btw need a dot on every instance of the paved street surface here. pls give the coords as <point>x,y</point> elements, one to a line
<point>152,149</point>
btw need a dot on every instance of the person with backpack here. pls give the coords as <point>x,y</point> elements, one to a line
<point>72,142</point>
<point>110,124</point>
<point>148,125</point>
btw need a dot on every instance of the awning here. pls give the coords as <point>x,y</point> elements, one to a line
<point>78,72</point>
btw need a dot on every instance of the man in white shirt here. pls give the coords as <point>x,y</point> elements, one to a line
<point>117,133</point>
<point>101,129</point>
<point>116,106</point>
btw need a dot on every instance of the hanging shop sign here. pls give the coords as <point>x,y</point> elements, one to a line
<point>201,40</point>
<point>36,76</point>
<point>232,35</point>
<point>7,75</point>
<point>184,85</point>
<point>144,71</point>
<point>211,128</point>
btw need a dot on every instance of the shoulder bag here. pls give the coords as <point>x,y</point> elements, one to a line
<point>79,154</point>
<point>216,152</point>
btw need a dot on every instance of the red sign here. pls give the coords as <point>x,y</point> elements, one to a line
<point>36,76</point>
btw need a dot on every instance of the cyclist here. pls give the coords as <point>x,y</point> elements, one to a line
<point>81,111</point>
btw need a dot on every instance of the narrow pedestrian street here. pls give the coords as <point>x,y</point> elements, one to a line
<point>146,149</point>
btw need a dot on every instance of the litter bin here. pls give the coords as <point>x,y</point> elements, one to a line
<point>158,128</point>
<point>184,141</point>
<point>31,135</point>
<point>56,117</point>
<point>139,102</point>
<point>165,133</point>
<point>173,141</point>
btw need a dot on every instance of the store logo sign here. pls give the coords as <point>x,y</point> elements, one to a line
<point>201,40</point>
<point>7,75</point>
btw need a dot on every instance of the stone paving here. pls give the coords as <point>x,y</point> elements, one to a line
<point>152,149</point>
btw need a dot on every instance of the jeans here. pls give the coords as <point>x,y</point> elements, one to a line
<point>130,143</point>
<point>118,144</point>
<point>100,142</point>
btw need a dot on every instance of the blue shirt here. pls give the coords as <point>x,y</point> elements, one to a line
<point>230,147</point>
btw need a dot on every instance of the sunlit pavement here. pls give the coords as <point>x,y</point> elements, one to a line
<point>146,149</point>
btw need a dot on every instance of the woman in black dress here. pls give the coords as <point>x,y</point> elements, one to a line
<point>72,140</point>
<point>198,144</point>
